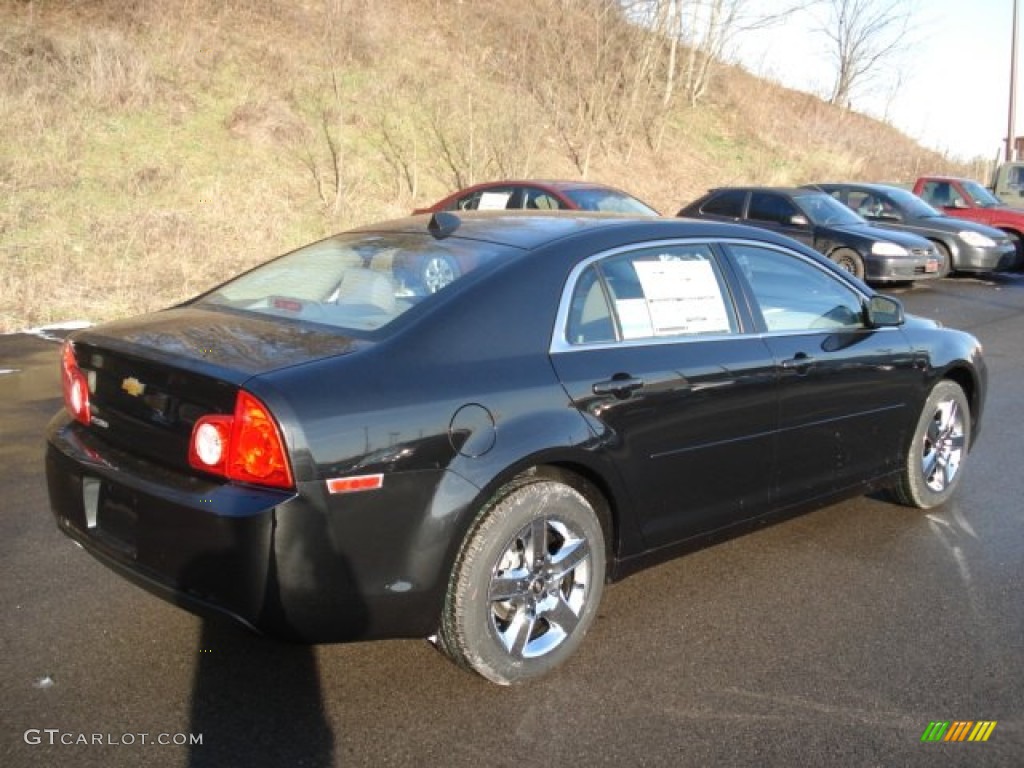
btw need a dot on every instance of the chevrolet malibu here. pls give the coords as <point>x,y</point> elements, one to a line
<point>326,450</point>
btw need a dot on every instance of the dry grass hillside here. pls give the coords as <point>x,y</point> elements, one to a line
<point>151,148</point>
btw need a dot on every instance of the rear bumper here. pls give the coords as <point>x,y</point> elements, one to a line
<point>266,558</point>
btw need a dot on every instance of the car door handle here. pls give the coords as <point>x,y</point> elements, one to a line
<point>622,385</point>
<point>800,362</point>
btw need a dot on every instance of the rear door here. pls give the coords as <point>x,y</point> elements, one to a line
<point>650,346</point>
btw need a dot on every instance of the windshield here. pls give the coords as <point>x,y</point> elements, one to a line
<point>826,211</point>
<point>356,281</point>
<point>912,205</point>
<point>981,196</point>
<point>609,201</point>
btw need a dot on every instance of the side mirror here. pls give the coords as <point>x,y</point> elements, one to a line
<point>890,216</point>
<point>883,312</point>
<point>958,203</point>
<point>799,220</point>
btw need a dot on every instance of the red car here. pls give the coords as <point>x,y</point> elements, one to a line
<point>542,195</point>
<point>967,199</point>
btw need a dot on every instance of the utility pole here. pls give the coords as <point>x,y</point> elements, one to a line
<point>1011,138</point>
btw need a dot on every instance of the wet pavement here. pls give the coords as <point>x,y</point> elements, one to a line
<point>834,638</point>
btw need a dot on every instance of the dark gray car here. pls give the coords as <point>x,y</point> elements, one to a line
<point>963,246</point>
<point>816,219</point>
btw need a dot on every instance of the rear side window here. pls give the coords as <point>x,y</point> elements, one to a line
<point>675,290</point>
<point>729,203</point>
<point>355,281</point>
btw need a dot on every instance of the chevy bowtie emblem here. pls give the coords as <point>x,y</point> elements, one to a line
<point>133,386</point>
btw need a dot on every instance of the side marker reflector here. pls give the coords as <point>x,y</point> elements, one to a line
<point>355,484</point>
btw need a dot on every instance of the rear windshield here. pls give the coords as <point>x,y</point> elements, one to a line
<point>356,281</point>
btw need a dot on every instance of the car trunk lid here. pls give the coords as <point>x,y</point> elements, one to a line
<point>152,377</point>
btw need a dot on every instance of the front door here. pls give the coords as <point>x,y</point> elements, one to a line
<point>844,389</point>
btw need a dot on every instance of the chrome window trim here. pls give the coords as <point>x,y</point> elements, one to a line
<point>559,338</point>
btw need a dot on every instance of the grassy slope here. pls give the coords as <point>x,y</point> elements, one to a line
<point>150,149</point>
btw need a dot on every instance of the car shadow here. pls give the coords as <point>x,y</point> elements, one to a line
<point>256,701</point>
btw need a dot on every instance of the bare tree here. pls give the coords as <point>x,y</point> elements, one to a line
<point>863,35</point>
<point>590,61</point>
<point>699,34</point>
<point>322,105</point>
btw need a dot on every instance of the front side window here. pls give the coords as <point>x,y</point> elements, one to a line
<point>796,295</point>
<point>766,206</point>
<point>671,291</point>
<point>938,193</point>
<point>494,199</point>
<point>539,199</point>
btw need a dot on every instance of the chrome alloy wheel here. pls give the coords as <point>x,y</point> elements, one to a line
<point>539,587</point>
<point>943,446</point>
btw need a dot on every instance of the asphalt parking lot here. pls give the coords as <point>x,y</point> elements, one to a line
<point>834,638</point>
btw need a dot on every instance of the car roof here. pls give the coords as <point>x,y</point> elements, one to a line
<point>858,185</point>
<point>551,183</point>
<point>529,229</point>
<point>783,190</point>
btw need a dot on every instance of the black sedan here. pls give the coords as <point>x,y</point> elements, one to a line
<point>814,218</point>
<point>963,246</point>
<point>326,453</point>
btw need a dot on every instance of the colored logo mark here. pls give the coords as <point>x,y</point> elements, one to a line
<point>959,730</point>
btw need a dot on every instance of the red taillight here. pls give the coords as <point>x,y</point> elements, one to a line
<point>75,385</point>
<point>246,446</point>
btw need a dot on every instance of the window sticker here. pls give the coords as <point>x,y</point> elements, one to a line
<point>682,297</point>
<point>494,201</point>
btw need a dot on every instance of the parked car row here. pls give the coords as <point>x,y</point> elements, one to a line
<point>877,232</point>
<point>963,246</point>
<point>816,219</point>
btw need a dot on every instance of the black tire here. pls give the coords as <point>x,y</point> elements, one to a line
<point>1018,243</point>
<point>934,459</point>
<point>850,260</point>
<point>515,611</point>
<point>945,259</point>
